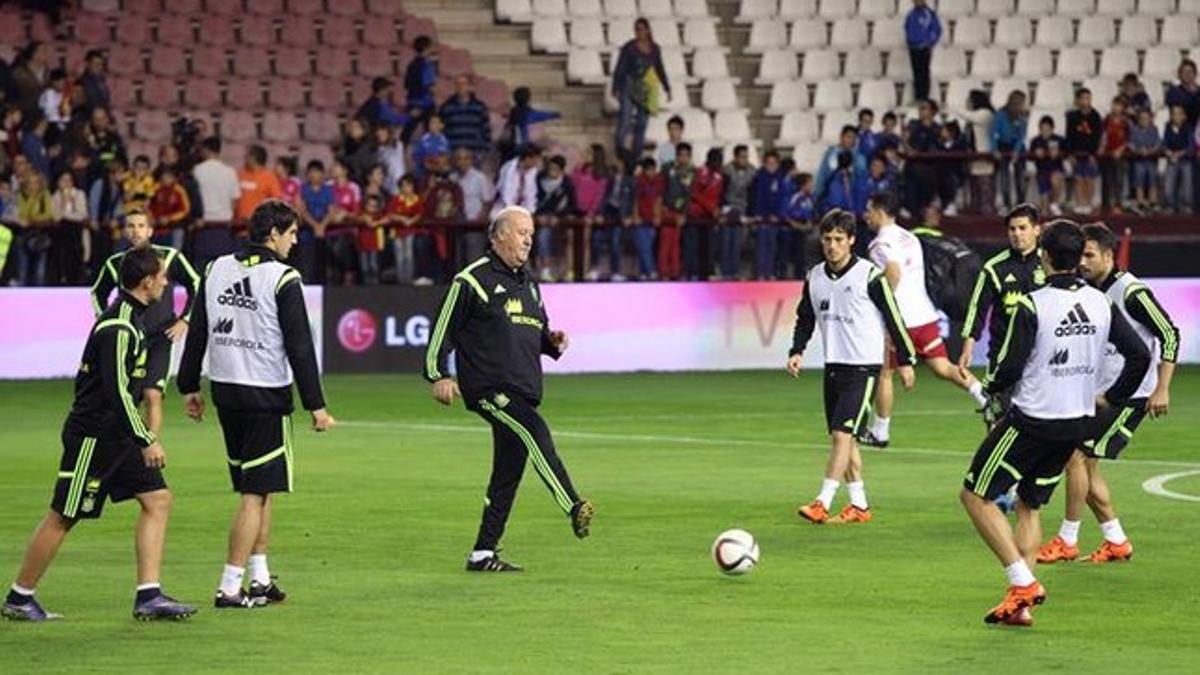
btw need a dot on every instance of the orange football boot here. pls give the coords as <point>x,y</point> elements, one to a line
<point>816,513</point>
<point>852,514</point>
<point>1110,552</point>
<point>1055,550</point>
<point>1016,599</point>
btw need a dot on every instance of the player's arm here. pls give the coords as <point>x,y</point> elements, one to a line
<point>188,379</point>
<point>456,306</point>
<point>1141,304</point>
<point>106,281</point>
<point>112,353</point>
<point>297,340</point>
<point>1137,359</point>
<point>982,298</point>
<point>806,323</point>
<point>879,288</point>
<point>554,342</point>
<point>1019,338</point>
<point>182,273</point>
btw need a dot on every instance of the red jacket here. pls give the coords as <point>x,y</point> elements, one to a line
<point>169,207</point>
<point>707,189</point>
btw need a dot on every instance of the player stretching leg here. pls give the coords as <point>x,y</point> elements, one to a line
<point>851,302</point>
<point>898,253</point>
<point>1052,352</point>
<point>1085,484</point>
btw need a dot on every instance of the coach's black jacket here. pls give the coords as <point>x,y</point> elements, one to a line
<point>105,406</point>
<point>494,320</point>
<point>1004,278</point>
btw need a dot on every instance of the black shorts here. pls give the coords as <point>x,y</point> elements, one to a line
<point>848,393</point>
<point>259,450</point>
<point>1013,453</point>
<point>95,469</point>
<point>1114,428</point>
<point>153,375</point>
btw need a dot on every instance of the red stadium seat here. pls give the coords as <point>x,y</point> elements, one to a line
<point>306,7</point>
<point>453,61</point>
<point>328,94</point>
<point>339,32</point>
<point>126,60</point>
<point>244,94</point>
<point>416,26</point>
<point>41,30</point>
<point>176,31</point>
<point>381,32</point>
<point>271,8</point>
<point>73,56</point>
<point>443,89</point>
<point>136,148</point>
<point>494,94</point>
<point>251,62</point>
<point>281,127</point>
<point>153,126</point>
<point>285,93</point>
<point>257,31</point>
<point>385,7</point>
<point>314,151</point>
<point>298,31</point>
<point>224,7</point>
<point>12,29</point>
<point>123,93</point>
<point>185,7</point>
<point>293,62</point>
<point>347,7</point>
<point>132,30</point>
<point>202,93</point>
<point>375,63</point>
<point>322,127</point>
<point>238,126</point>
<point>360,90</point>
<point>142,7</point>
<point>234,154</point>
<point>168,61</point>
<point>333,63</point>
<point>209,61</point>
<point>160,93</point>
<point>92,29</point>
<point>101,6</point>
<point>217,30</point>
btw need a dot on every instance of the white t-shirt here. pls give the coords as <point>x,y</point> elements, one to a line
<point>219,189</point>
<point>896,244</point>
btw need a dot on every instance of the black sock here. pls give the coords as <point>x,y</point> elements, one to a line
<point>15,598</point>
<point>148,594</point>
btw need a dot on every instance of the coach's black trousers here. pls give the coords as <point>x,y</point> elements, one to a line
<point>518,433</point>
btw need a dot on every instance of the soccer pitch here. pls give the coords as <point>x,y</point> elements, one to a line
<point>371,546</point>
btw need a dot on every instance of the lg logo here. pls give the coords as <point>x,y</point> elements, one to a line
<point>357,330</point>
<point>416,332</point>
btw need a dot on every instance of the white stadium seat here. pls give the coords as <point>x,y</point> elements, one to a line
<point>972,32</point>
<point>1161,62</point>
<point>752,10</point>
<point>798,127</point>
<point>849,34</point>
<point>516,11</point>
<point>709,63</point>
<point>1055,94</point>
<point>1014,32</point>
<point>719,95</point>
<point>897,66</point>
<point>1076,7</point>
<point>1117,8</point>
<point>1033,63</point>
<point>1076,63</point>
<point>809,34</point>
<point>833,95</point>
<point>581,9</point>
<point>797,9</point>
<point>1116,61</point>
<point>836,9</point>
<point>958,90</point>
<point>620,8</point>
<point>1002,88</point>
<point>549,35</point>
<point>619,32</point>
<point>990,63</point>
<point>587,33</point>
<point>1035,8</point>
<point>832,123</point>
<point>767,34</point>
<point>691,9</point>
<point>700,33</point>
<point>1156,7</point>
<point>1096,31</point>
<point>787,96</point>
<point>888,33</point>
<point>808,155</point>
<point>732,126</point>
<point>821,65</point>
<point>864,64</point>
<point>1180,31</point>
<point>550,8</point>
<point>878,95</point>
<point>675,65</point>
<point>1103,89</point>
<point>948,62</point>
<point>698,123</point>
<point>1055,32</point>
<point>953,9</point>
<point>778,65</point>
<point>655,9</point>
<point>666,32</point>
<point>1138,31</point>
<point>994,9</point>
<point>876,9</point>
<point>583,65</point>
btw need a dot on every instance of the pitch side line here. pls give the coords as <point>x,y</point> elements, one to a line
<point>698,440</point>
<point>1156,486</point>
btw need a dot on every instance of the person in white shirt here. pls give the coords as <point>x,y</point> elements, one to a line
<point>219,191</point>
<point>898,253</point>
<point>517,183</point>
<point>390,154</point>
<point>71,212</point>
<point>478,191</point>
<point>51,100</point>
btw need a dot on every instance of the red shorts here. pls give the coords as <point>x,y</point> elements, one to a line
<point>927,340</point>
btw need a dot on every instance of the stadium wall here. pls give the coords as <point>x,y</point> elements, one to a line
<point>613,327</point>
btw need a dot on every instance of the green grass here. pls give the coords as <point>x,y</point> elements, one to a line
<point>371,546</point>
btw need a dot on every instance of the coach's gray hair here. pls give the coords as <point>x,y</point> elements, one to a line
<point>504,218</point>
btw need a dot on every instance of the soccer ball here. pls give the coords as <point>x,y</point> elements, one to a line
<point>735,552</point>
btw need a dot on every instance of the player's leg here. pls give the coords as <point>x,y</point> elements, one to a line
<point>1065,545</point>
<point>20,604</point>
<point>1028,532</point>
<point>1116,545</point>
<point>878,433</point>
<point>859,509</point>
<point>848,393</point>
<point>508,465</point>
<point>150,539</point>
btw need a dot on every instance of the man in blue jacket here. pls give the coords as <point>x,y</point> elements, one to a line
<point>922,30</point>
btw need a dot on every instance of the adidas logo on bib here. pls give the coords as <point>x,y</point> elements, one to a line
<point>239,295</point>
<point>1076,323</point>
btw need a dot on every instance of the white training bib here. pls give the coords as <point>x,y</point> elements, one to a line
<point>245,345</point>
<point>1113,361</point>
<point>851,327</point>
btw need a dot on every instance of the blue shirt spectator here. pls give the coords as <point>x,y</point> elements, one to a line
<point>431,144</point>
<point>1178,138</point>
<point>768,193</point>
<point>1008,132</point>
<point>800,206</point>
<point>466,119</point>
<point>421,75</point>
<point>922,28</point>
<point>317,200</point>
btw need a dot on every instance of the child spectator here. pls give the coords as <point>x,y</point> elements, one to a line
<point>35,212</point>
<point>1145,145</point>
<point>665,152</point>
<point>289,184</point>
<point>33,144</point>
<point>357,150</point>
<point>842,190</point>
<point>1114,143</point>
<point>70,212</point>
<point>980,117</point>
<point>1084,128</point>
<point>51,103</point>
<point>799,214</point>
<point>374,186</point>
<point>847,142</point>
<point>370,238</point>
<point>1048,149</point>
<point>1008,143</point>
<point>649,189</point>
<point>739,174</point>
<point>616,214</point>
<point>170,209</point>
<point>343,224</point>
<point>951,141</point>
<point>889,138</point>
<point>316,196</point>
<point>389,152</point>
<point>138,185</point>
<point>556,201</point>
<point>1177,144</point>
<point>1135,96</point>
<point>767,193</point>
<point>922,137</point>
<point>520,117</point>
<point>405,212</point>
<point>443,204</point>
<point>378,110</point>
<point>591,183</point>
<point>432,145</point>
<point>704,212</point>
<point>419,78</point>
<point>680,175</point>
<point>868,141</point>
<point>880,178</point>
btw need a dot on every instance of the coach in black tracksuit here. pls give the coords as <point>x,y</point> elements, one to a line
<point>494,320</point>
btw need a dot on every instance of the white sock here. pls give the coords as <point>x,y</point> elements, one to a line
<point>976,392</point>
<point>1018,574</point>
<point>17,588</point>
<point>1112,531</point>
<point>259,572</point>
<point>1069,531</point>
<point>858,494</point>
<point>880,427</point>
<point>829,489</point>
<point>231,580</point>
<point>146,587</point>
<point>476,556</point>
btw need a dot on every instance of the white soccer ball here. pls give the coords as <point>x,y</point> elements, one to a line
<point>735,552</point>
